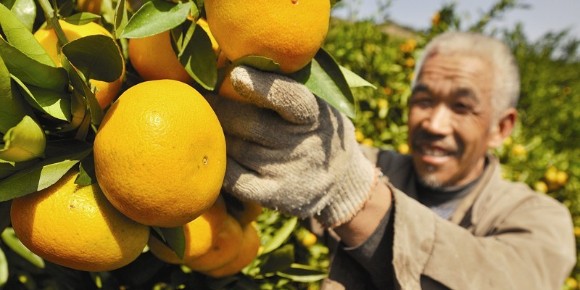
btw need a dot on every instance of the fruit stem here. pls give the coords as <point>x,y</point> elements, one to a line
<point>52,18</point>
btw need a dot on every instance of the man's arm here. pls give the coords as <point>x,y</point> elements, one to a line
<point>365,222</point>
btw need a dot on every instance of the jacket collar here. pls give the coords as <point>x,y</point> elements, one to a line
<point>469,209</point>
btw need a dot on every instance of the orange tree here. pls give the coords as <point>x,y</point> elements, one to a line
<point>543,150</point>
<point>51,114</point>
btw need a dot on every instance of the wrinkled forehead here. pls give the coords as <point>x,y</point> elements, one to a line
<point>456,71</point>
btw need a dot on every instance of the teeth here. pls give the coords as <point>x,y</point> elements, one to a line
<point>434,152</point>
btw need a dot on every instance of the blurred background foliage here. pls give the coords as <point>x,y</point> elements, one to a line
<point>542,152</point>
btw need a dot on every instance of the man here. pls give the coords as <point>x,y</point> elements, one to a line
<point>441,218</point>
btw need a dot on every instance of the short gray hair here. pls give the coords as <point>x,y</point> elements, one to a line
<point>506,77</point>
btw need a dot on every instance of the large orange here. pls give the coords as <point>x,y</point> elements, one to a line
<point>105,91</point>
<point>75,226</point>
<point>160,153</point>
<point>289,32</point>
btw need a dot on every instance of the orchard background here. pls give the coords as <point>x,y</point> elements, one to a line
<point>542,152</point>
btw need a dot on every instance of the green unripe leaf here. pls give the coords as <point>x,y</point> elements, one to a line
<point>155,17</point>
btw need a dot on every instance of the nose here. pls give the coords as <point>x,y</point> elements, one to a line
<point>439,122</point>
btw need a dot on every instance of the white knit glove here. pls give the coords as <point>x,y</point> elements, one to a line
<point>291,151</point>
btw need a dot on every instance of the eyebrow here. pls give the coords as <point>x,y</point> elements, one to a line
<point>467,93</point>
<point>461,92</point>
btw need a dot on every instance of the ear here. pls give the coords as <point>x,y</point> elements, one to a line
<point>503,128</point>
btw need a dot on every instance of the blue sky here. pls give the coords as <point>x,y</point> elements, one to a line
<point>542,16</point>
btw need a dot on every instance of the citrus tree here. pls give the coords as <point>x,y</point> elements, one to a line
<point>112,159</point>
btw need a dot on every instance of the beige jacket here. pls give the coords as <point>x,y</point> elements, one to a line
<point>502,236</point>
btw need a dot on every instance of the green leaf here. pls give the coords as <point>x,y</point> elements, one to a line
<point>32,71</point>
<point>86,174</point>
<point>96,56</point>
<point>155,17</point>
<point>302,273</point>
<point>54,103</point>
<point>354,80</point>
<point>281,235</point>
<point>11,104</point>
<point>121,19</point>
<point>25,11</point>
<point>259,62</point>
<point>9,237</point>
<point>324,78</point>
<point>278,260</point>
<point>9,168</point>
<point>199,59</point>
<point>23,142</point>
<point>174,238</point>
<point>21,38</point>
<point>61,156</point>
<point>82,18</point>
<point>83,94</point>
<point>3,269</point>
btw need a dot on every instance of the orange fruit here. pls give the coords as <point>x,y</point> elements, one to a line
<point>289,32</point>
<point>199,235</point>
<point>225,248</point>
<point>248,252</point>
<point>76,227</point>
<point>245,212</point>
<point>105,91</point>
<point>92,6</point>
<point>160,153</point>
<point>153,58</point>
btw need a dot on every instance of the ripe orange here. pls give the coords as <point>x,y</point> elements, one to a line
<point>92,6</point>
<point>76,227</point>
<point>290,32</point>
<point>248,252</point>
<point>153,58</point>
<point>225,248</point>
<point>160,153</point>
<point>199,235</point>
<point>247,212</point>
<point>105,92</point>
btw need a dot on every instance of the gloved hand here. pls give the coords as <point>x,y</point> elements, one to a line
<point>290,151</point>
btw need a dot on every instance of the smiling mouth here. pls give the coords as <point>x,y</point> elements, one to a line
<point>434,155</point>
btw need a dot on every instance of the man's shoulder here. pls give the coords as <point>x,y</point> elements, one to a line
<point>386,159</point>
<point>507,196</point>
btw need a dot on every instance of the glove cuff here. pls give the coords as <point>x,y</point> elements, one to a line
<point>349,195</point>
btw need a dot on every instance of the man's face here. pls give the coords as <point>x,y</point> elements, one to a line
<point>450,117</point>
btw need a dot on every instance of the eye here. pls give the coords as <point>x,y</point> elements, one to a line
<point>462,107</point>
<point>421,100</point>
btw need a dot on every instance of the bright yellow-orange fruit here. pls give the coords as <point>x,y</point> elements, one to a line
<point>153,58</point>
<point>200,234</point>
<point>160,153</point>
<point>76,227</point>
<point>224,249</point>
<point>105,91</point>
<point>248,252</point>
<point>290,32</point>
